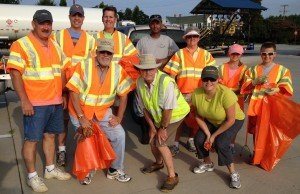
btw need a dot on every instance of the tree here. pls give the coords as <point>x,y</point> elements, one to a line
<point>46,2</point>
<point>10,1</point>
<point>63,3</point>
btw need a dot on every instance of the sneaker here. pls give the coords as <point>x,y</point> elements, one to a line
<point>191,145</point>
<point>170,183</point>
<point>58,174</point>
<point>61,158</point>
<point>119,175</point>
<point>174,150</point>
<point>235,181</point>
<point>37,184</point>
<point>203,167</point>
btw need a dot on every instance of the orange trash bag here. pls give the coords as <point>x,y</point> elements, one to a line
<point>191,122</point>
<point>282,128</point>
<point>92,153</point>
<point>128,62</point>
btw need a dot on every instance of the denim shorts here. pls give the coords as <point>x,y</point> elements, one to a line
<point>46,119</point>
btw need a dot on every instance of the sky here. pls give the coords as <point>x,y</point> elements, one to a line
<point>183,7</point>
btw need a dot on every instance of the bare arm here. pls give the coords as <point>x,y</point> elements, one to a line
<point>18,84</point>
<point>162,134</point>
<point>115,120</point>
<point>84,122</point>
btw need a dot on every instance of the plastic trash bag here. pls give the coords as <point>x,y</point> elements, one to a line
<point>92,153</point>
<point>128,62</point>
<point>279,125</point>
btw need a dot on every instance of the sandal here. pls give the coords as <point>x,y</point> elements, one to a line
<point>152,168</point>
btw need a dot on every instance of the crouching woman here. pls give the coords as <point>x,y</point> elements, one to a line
<point>219,118</point>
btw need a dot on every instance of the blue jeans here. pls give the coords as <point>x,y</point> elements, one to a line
<point>115,135</point>
<point>46,119</point>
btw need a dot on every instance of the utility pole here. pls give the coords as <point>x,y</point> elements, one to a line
<point>284,11</point>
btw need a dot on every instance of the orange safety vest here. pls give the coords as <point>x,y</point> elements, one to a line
<point>188,71</point>
<point>279,76</point>
<point>122,45</point>
<point>96,98</point>
<point>235,82</point>
<point>41,74</point>
<point>84,48</point>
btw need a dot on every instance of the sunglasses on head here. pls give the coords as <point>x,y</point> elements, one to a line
<point>105,52</point>
<point>266,53</point>
<point>209,79</point>
<point>192,36</point>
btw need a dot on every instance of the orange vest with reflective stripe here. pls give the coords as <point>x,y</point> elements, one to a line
<point>122,45</point>
<point>188,71</point>
<point>279,76</point>
<point>235,82</point>
<point>41,74</point>
<point>84,48</point>
<point>96,98</point>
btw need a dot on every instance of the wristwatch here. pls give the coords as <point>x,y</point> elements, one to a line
<point>80,116</point>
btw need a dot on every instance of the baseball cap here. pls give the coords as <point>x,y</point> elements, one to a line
<point>42,15</point>
<point>105,45</point>
<point>210,72</point>
<point>76,9</point>
<point>191,31</point>
<point>236,48</point>
<point>155,17</point>
<point>147,61</point>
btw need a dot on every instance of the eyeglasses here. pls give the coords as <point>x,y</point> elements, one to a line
<point>209,79</point>
<point>192,36</point>
<point>105,52</point>
<point>269,54</point>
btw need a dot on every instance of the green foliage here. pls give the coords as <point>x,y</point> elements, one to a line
<point>10,1</point>
<point>46,2</point>
<point>63,3</point>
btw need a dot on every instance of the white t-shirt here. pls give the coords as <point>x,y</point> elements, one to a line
<point>160,48</point>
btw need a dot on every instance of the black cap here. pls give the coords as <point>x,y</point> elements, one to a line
<point>42,15</point>
<point>76,9</point>
<point>210,72</point>
<point>156,17</point>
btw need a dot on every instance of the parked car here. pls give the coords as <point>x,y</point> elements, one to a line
<point>135,33</point>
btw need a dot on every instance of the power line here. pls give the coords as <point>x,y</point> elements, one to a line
<point>284,11</point>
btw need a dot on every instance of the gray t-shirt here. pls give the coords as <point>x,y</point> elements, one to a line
<point>160,48</point>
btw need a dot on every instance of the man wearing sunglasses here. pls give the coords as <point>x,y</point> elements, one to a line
<point>266,78</point>
<point>77,44</point>
<point>93,88</point>
<point>186,66</point>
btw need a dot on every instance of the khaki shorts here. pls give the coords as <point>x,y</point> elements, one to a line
<point>171,131</point>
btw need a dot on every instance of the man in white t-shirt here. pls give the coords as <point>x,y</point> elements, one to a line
<point>162,47</point>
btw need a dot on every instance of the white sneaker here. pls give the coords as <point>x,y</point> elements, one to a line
<point>37,184</point>
<point>119,175</point>
<point>58,174</point>
<point>203,168</point>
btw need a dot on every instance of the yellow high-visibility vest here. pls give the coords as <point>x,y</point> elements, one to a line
<point>154,102</point>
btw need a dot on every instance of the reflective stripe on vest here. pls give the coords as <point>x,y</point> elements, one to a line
<point>154,103</point>
<point>85,85</point>
<point>35,71</point>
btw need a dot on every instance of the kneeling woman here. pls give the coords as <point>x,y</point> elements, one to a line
<point>219,118</point>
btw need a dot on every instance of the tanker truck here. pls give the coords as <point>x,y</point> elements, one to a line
<point>15,20</point>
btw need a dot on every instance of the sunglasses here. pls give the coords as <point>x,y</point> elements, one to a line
<point>105,52</point>
<point>192,36</point>
<point>269,54</point>
<point>209,79</point>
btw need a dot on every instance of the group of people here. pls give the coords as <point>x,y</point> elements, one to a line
<point>73,76</point>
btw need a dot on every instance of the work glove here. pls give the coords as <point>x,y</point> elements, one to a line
<point>259,80</point>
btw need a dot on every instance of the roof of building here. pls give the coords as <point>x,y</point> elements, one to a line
<point>225,6</point>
